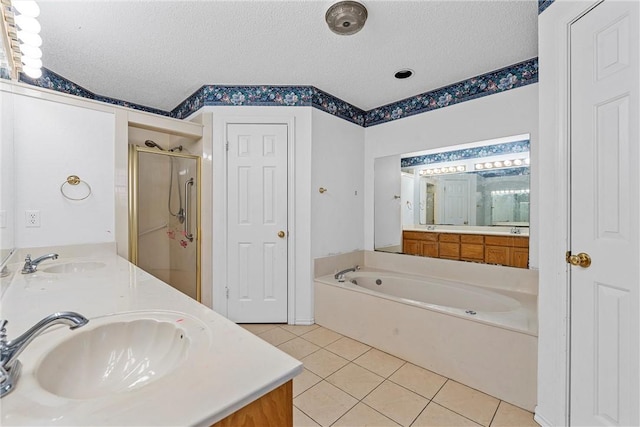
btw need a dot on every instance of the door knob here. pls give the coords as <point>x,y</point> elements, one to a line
<point>281,234</point>
<point>581,260</point>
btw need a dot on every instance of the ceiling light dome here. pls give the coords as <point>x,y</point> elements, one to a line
<point>346,17</point>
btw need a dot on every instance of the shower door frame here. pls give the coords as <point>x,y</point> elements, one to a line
<point>134,151</point>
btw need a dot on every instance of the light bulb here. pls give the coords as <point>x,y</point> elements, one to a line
<point>488,165</point>
<point>32,62</point>
<point>461,168</point>
<point>527,161</point>
<point>27,24</point>
<point>34,73</point>
<point>32,39</point>
<point>30,51</point>
<point>479,166</point>
<point>497,164</point>
<point>26,7</point>
<point>507,162</point>
<point>517,162</point>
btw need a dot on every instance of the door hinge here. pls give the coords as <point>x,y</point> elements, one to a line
<point>226,146</point>
<point>567,257</point>
<point>226,290</point>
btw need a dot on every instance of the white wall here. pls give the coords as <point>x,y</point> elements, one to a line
<point>508,113</point>
<point>7,177</point>
<point>52,141</point>
<point>336,164</point>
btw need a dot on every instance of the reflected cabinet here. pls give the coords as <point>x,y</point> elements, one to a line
<point>512,251</point>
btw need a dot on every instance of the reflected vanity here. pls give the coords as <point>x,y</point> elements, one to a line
<point>468,203</point>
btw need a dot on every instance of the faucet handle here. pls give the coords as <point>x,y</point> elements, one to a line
<point>28,258</point>
<point>3,331</point>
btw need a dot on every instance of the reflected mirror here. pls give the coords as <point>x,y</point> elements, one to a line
<point>481,187</point>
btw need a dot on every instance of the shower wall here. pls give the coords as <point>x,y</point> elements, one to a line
<point>163,247</point>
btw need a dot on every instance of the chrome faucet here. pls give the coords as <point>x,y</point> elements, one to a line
<point>339,276</point>
<point>10,350</point>
<point>30,266</point>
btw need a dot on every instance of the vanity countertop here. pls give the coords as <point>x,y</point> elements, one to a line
<point>470,229</point>
<point>227,370</point>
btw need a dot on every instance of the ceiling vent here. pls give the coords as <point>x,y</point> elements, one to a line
<point>346,17</point>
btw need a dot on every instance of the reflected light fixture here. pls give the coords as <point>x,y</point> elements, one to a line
<point>346,17</point>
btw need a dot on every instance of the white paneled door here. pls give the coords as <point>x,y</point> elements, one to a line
<point>605,216</point>
<point>257,223</point>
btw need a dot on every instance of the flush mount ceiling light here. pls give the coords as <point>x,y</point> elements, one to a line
<point>346,17</point>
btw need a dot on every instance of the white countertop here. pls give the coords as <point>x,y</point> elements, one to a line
<point>227,370</point>
<point>470,229</point>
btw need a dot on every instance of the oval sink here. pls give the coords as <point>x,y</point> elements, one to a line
<point>74,267</point>
<point>112,358</point>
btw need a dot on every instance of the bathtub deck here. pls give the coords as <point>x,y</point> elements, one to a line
<point>497,361</point>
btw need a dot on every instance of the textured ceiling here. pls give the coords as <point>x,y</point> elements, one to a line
<point>157,53</point>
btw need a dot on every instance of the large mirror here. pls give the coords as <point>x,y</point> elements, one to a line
<point>481,186</point>
<point>6,175</point>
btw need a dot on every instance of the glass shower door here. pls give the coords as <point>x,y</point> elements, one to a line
<point>165,217</point>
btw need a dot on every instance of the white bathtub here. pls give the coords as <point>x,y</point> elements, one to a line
<point>482,337</point>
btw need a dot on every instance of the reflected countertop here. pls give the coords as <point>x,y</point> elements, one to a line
<point>472,229</point>
<point>234,369</point>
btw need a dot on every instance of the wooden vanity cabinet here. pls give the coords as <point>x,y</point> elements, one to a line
<point>472,247</point>
<point>273,409</point>
<point>449,246</point>
<point>512,251</point>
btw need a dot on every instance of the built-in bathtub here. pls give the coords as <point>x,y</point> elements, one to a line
<point>482,336</point>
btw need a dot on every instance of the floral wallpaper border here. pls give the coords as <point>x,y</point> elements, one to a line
<point>507,78</point>
<point>543,4</point>
<point>467,153</point>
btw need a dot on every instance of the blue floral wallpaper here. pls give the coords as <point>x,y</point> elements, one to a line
<point>51,80</point>
<point>504,172</point>
<point>543,4</point>
<point>467,153</point>
<point>498,81</point>
<point>507,78</point>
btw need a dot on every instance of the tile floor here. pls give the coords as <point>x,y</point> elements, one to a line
<point>348,383</point>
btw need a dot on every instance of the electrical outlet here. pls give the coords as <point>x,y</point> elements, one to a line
<point>32,218</point>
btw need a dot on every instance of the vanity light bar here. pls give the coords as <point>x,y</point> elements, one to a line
<point>20,37</point>
<point>443,170</point>
<point>503,192</point>
<point>502,164</point>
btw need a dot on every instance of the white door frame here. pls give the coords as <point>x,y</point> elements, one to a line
<point>554,26</point>
<point>219,291</point>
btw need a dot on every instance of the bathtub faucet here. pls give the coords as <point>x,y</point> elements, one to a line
<point>340,274</point>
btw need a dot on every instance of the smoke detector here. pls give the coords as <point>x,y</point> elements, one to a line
<point>346,17</point>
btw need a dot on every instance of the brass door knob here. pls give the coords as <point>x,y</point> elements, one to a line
<point>281,234</point>
<point>581,260</point>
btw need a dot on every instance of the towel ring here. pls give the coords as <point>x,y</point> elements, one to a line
<point>74,180</point>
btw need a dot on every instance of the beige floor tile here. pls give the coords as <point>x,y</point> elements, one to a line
<point>509,416</point>
<point>363,416</point>
<point>379,362</point>
<point>321,336</point>
<point>304,382</point>
<point>300,419</point>
<point>276,336</point>
<point>436,416</point>
<point>257,328</point>
<point>468,402</point>
<point>298,348</point>
<point>348,348</point>
<point>324,403</point>
<point>299,329</point>
<point>323,362</point>
<point>415,378</point>
<point>355,380</point>
<point>397,403</point>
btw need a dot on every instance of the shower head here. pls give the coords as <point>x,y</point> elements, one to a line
<point>151,144</point>
<point>177,148</point>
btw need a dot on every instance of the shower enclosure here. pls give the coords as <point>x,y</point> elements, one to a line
<point>164,215</point>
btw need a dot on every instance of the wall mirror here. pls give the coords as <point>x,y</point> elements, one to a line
<point>481,187</point>
<point>7,243</point>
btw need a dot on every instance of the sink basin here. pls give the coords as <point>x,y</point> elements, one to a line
<point>113,357</point>
<point>74,267</point>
